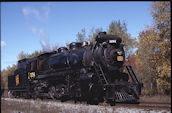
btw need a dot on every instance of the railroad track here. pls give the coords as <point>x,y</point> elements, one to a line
<point>147,105</point>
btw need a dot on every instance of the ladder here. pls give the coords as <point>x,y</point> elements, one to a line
<point>100,74</point>
<point>98,69</point>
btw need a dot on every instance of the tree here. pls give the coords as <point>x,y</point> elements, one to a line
<point>115,28</point>
<point>146,60</point>
<point>81,36</point>
<point>4,75</point>
<point>131,61</point>
<point>93,33</point>
<point>154,52</point>
<point>161,13</point>
<point>22,55</point>
<point>35,53</point>
<point>120,29</point>
<point>55,47</point>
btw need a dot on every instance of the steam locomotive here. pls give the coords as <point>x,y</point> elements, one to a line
<point>84,72</point>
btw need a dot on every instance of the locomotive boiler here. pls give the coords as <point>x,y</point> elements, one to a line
<point>83,72</point>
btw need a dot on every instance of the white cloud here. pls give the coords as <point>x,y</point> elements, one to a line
<point>41,31</point>
<point>43,43</point>
<point>28,11</point>
<point>41,15</point>
<point>38,15</point>
<point>3,43</point>
<point>46,11</point>
<point>33,29</point>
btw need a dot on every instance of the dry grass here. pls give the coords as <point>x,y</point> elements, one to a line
<point>29,107</point>
<point>11,105</point>
<point>156,99</point>
<point>49,106</point>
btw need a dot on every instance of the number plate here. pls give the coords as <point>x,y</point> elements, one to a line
<point>31,75</point>
<point>120,58</point>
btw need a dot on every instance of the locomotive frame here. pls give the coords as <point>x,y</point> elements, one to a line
<point>91,73</point>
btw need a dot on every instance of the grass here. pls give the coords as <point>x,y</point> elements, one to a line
<point>156,99</point>
<point>48,106</point>
<point>26,107</point>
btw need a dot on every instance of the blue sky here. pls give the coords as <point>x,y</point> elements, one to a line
<point>29,26</point>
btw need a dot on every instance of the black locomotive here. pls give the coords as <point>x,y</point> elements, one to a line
<point>84,72</point>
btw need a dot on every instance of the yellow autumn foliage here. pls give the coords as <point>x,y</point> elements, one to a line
<point>154,52</point>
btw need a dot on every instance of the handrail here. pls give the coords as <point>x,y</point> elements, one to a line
<point>134,74</point>
<point>130,74</point>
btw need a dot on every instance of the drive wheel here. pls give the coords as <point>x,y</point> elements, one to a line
<point>92,101</point>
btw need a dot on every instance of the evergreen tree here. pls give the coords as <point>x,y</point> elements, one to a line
<point>22,55</point>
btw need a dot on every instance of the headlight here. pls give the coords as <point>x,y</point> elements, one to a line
<point>119,52</point>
